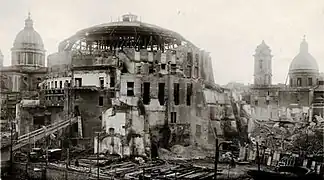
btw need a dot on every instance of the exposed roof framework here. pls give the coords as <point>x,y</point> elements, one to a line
<point>118,35</point>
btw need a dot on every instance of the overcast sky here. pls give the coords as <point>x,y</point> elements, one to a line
<point>229,29</point>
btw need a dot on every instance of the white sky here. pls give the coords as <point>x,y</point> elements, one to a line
<point>229,29</point>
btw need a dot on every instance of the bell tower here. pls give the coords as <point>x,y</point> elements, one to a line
<point>263,65</point>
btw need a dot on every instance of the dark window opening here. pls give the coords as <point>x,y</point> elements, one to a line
<point>78,82</point>
<point>267,102</point>
<point>39,79</point>
<point>173,117</point>
<point>189,93</point>
<point>130,88</point>
<point>268,93</point>
<point>100,118</point>
<point>101,82</point>
<point>161,93</point>
<point>112,81</point>
<point>189,58</point>
<point>176,93</point>
<point>61,84</point>
<point>320,83</point>
<point>146,93</point>
<point>38,122</point>
<point>100,101</point>
<point>55,84</point>
<point>58,98</point>
<point>173,68</point>
<point>111,130</point>
<point>256,102</point>
<point>299,81</point>
<point>163,66</point>
<point>151,68</point>
<point>310,81</point>
<point>76,111</point>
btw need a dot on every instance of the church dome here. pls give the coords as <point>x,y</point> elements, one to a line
<point>28,48</point>
<point>28,37</point>
<point>304,61</point>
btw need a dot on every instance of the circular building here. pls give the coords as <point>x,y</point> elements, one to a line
<point>303,70</point>
<point>106,71</point>
<point>28,48</point>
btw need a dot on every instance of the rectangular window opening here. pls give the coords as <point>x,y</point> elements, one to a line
<point>310,81</point>
<point>189,58</point>
<point>161,93</point>
<point>299,81</point>
<point>100,101</point>
<point>101,82</point>
<point>173,117</point>
<point>256,102</point>
<point>189,93</point>
<point>112,81</point>
<point>151,68</point>
<point>61,84</point>
<point>176,93</point>
<point>78,82</point>
<point>146,93</point>
<point>130,88</point>
<point>163,66</point>
<point>55,84</point>
<point>267,102</point>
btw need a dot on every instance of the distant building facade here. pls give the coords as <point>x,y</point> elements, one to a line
<point>293,100</point>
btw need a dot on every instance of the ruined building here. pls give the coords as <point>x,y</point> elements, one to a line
<point>143,85</point>
<point>293,100</point>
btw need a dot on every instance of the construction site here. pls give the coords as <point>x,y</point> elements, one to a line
<point>125,91</point>
<point>132,100</point>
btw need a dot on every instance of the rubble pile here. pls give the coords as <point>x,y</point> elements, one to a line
<point>181,152</point>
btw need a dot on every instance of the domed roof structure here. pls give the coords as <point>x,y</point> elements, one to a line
<point>304,61</point>
<point>129,29</point>
<point>28,48</point>
<point>28,37</point>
